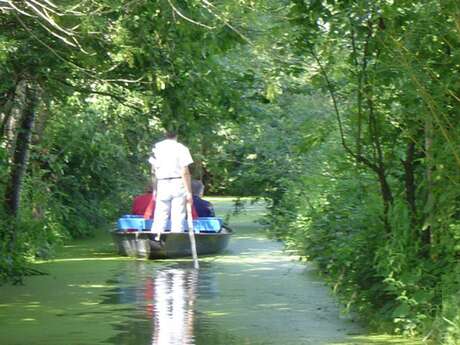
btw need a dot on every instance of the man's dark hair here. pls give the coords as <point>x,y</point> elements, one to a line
<point>148,187</point>
<point>197,187</point>
<point>171,134</point>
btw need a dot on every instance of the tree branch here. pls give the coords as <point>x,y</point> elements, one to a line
<point>119,99</point>
<point>208,6</point>
<point>187,18</point>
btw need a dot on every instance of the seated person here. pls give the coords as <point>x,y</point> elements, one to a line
<point>203,208</point>
<point>144,204</point>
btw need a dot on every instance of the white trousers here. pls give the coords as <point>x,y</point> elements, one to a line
<point>170,204</point>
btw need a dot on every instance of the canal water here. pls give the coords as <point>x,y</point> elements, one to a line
<point>253,294</point>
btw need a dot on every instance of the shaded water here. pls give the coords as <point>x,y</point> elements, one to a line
<point>253,294</point>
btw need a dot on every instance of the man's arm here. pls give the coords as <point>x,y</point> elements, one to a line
<point>186,178</point>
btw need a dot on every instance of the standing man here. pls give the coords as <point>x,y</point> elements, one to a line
<point>170,161</point>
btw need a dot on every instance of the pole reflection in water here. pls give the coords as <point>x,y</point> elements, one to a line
<point>173,308</point>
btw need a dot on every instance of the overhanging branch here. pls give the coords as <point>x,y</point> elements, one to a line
<point>119,99</point>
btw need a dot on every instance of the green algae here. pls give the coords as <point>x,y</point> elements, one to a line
<point>254,293</point>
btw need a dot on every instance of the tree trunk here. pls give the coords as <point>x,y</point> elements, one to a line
<point>409,182</point>
<point>41,120</point>
<point>387,198</point>
<point>429,132</point>
<point>21,149</point>
<point>6,111</point>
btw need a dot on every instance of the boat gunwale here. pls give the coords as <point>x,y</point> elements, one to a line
<point>222,232</point>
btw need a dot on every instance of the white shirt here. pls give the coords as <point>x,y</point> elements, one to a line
<point>169,158</point>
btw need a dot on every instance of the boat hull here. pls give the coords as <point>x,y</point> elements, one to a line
<point>171,245</point>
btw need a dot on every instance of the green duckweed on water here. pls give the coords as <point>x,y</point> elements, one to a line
<point>253,294</point>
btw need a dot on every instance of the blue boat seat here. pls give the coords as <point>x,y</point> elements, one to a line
<point>138,223</point>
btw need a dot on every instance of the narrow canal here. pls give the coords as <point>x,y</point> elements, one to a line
<point>253,294</point>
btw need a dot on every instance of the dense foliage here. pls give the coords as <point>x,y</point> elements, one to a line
<point>342,114</point>
<point>376,202</point>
